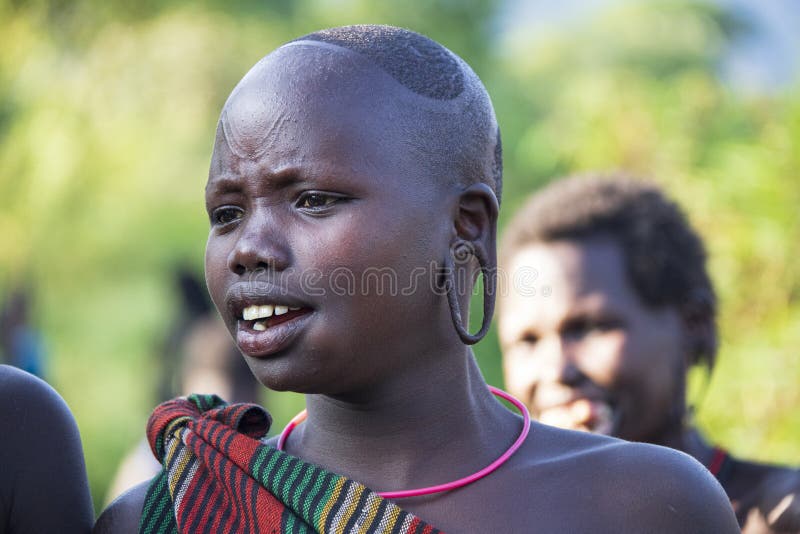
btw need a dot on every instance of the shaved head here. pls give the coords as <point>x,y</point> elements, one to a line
<point>427,96</point>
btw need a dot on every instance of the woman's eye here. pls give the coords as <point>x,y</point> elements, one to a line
<point>317,201</point>
<point>225,215</point>
<point>603,325</point>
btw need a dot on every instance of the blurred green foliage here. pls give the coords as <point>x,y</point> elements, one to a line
<point>107,117</point>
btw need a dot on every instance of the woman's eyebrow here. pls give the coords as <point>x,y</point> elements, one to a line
<point>586,313</point>
<point>224,184</point>
<point>277,179</point>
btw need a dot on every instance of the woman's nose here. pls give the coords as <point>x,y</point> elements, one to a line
<point>559,362</point>
<point>260,246</point>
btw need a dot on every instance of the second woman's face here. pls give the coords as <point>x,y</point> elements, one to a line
<point>320,225</point>
<point>581,347</point>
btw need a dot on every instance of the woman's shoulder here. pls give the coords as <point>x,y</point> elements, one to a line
<point>21,388</point>
<point>43,424</point>
<point>123,514</point>
<point>43,465</point>
<point>607,459</point>
<point>625,486</point>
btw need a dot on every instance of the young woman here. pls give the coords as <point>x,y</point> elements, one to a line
<point>630,308</point>
<point>353,198</point>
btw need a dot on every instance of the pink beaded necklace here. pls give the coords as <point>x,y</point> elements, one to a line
<point>526,426</point>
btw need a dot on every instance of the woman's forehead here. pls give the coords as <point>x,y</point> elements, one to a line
<point>277,135</point>
<point>330,148</point>
<point>314,73</point>
<point>327,110</point>
<point>571,269</point>
<point>281,100</point>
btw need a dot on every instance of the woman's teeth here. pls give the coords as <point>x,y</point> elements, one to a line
<point>254,313</point>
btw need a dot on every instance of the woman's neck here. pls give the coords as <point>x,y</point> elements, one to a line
<point>435,424</point>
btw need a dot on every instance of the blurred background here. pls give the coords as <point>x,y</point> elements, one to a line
<point>107,118</point>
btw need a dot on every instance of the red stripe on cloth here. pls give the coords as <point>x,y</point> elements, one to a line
<point>242,448</point>
<point>270,511</point>
<point>413,526</point>
<point>187,514</point>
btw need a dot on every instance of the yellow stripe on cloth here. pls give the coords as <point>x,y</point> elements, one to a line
<point>171,447</point>
<point>346,510</point>
<point>389,520</point>
<point>371,509</point>
<point>337,489</point>
<point>184,457</point>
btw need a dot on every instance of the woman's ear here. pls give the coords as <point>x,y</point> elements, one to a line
<point>476,217</point>
<point>701,330</point>
<point>475,226</point>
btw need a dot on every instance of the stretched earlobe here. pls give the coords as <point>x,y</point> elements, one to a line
<point>461,252</point>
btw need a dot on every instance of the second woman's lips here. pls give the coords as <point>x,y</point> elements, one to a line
<point>580,414</point>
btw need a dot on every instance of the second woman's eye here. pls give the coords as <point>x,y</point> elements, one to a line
<point>529,339</point>
<point>225,215</point>
<point>604,325</point>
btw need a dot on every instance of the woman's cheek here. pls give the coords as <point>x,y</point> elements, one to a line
<point>606,358</point>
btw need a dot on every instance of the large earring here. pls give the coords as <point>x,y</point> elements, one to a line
<point>461,251</point>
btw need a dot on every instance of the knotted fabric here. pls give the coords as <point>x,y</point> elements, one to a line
<point>218,477</point>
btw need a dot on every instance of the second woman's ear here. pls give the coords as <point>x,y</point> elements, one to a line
<point>699,329</point>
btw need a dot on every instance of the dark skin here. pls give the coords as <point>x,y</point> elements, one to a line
<point>386,375</point>
<point>592,356</point>
<point>43,487</point>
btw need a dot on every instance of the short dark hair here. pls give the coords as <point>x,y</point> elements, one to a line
<point>462,133</point>
<point>664,257</point>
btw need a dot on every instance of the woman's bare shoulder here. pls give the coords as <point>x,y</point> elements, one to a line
<point>122,515</point>
<point>40,442</point>
<point>664,490</point>
<point>625,486</point>
<point>23,391</point>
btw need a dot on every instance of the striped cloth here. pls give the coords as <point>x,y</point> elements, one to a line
<point>218,477</point>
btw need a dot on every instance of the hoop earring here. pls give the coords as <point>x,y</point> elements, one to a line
<point>461,250</point>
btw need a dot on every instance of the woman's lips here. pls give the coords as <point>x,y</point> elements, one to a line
<point>581,414</point>
<point>262,324</point>
<point>266,337</point>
